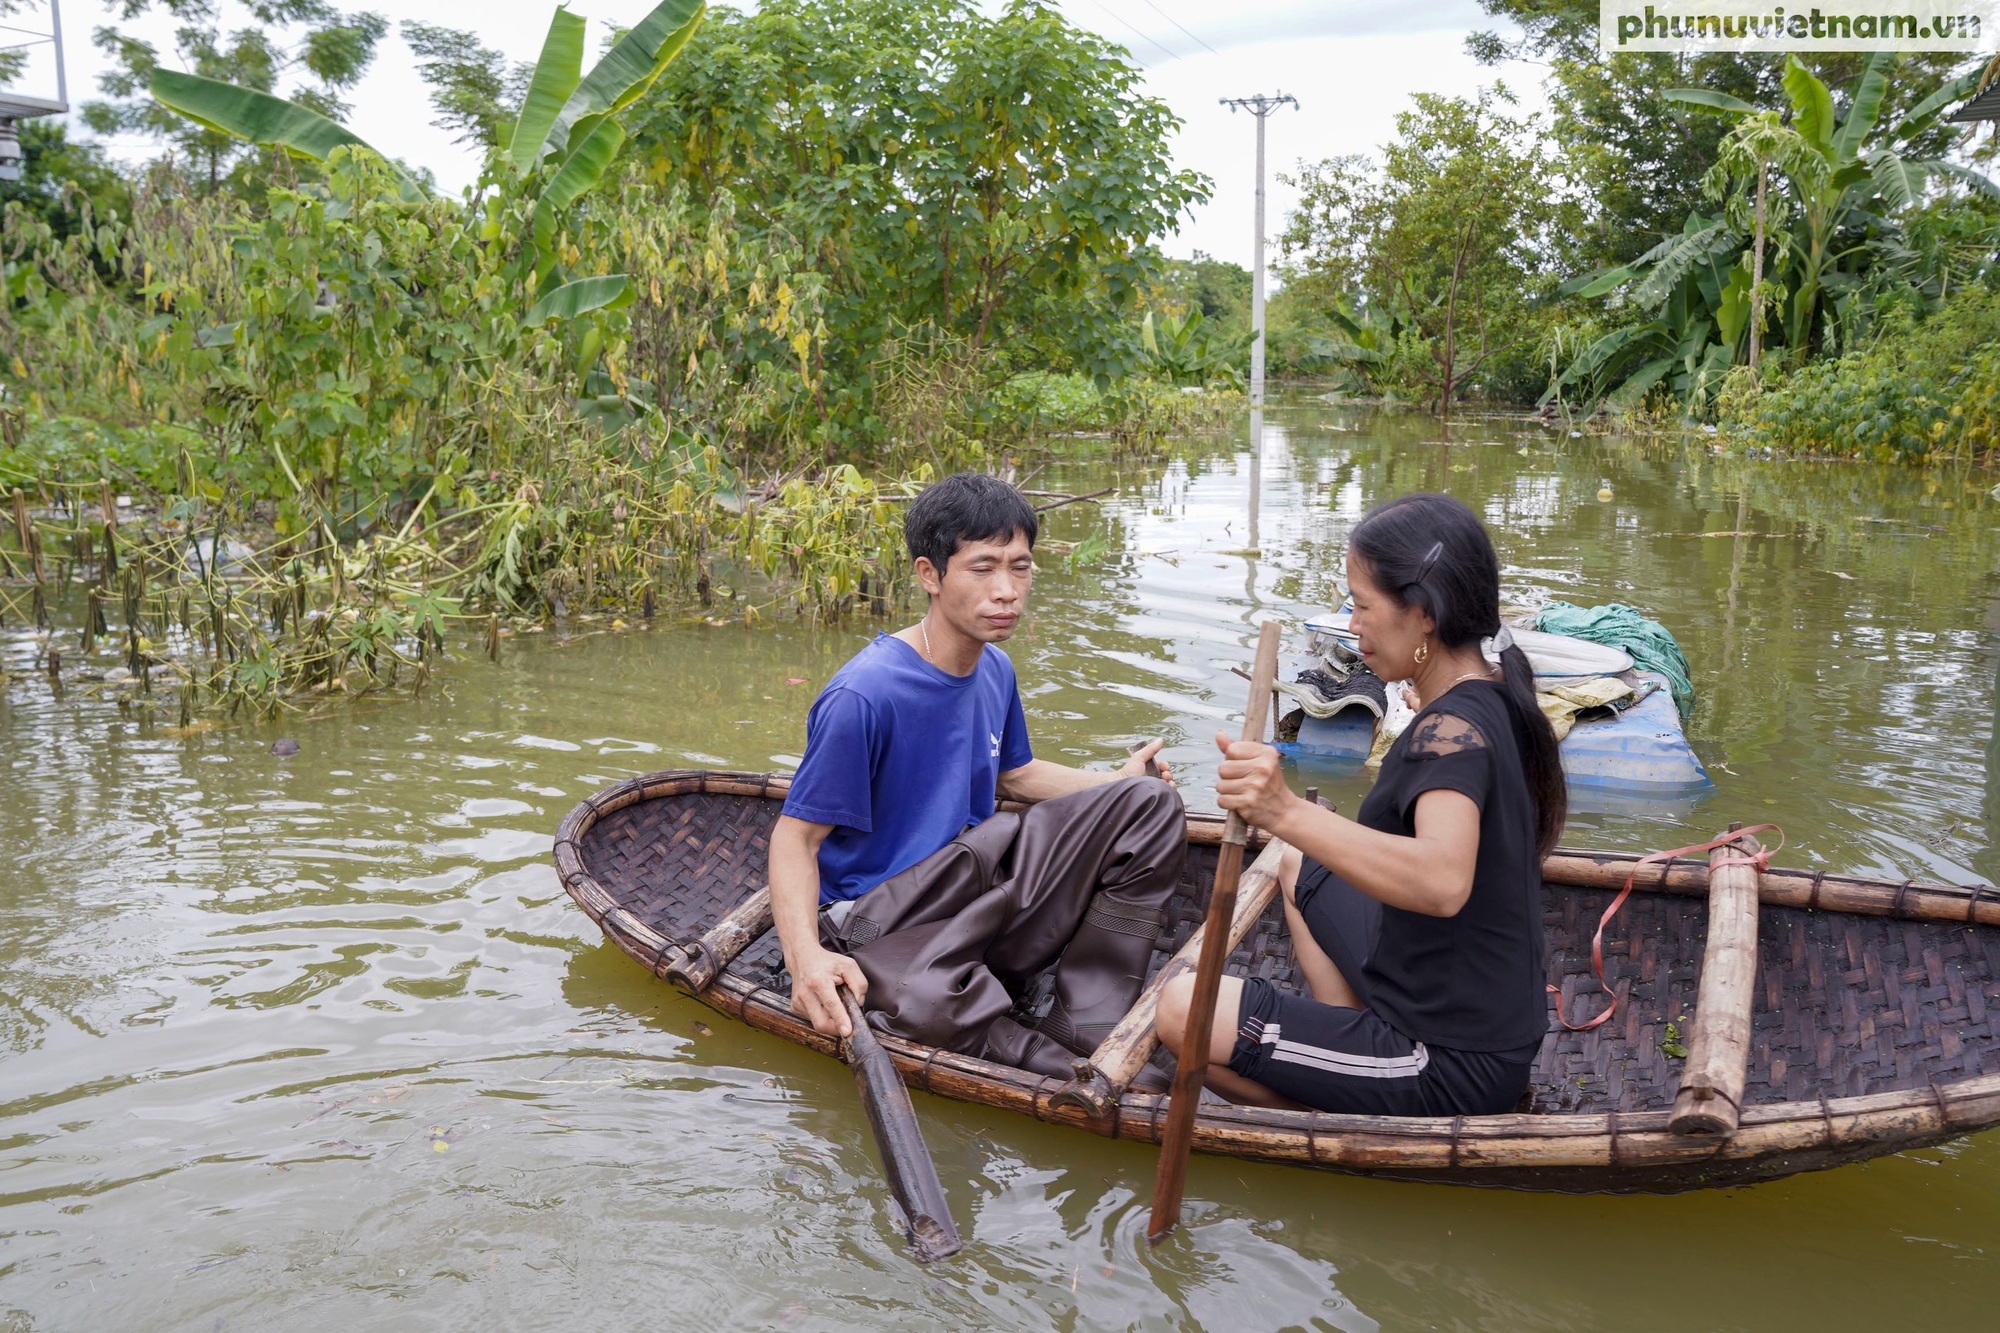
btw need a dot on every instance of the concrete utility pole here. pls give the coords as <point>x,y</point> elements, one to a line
<point>1261,107</point>
<point>15,109</point>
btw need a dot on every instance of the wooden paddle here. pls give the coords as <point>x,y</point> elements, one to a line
<point>913,1177</point>
<point>1175,1143</point>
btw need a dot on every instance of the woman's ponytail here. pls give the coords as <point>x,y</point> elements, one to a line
<point>1541,756</point>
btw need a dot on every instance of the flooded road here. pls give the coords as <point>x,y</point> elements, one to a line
<point>318,1042</point>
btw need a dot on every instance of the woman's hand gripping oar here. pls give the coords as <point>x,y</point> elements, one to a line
<point>913,1177</point>
<point>1178,1139</point>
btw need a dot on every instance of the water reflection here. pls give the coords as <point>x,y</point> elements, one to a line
<point>1990,809</point>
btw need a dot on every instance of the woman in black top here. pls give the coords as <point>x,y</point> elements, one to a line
<point>1418,925</point>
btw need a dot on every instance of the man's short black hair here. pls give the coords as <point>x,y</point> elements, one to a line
<point>966,507</point>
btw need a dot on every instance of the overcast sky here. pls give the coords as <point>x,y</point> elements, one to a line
<point>1351,65</point>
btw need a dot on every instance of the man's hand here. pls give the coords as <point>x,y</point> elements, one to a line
<point>1135,767</point>
<point>1250,783</point>
<point>817,974</point>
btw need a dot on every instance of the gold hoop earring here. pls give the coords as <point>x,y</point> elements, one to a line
<point>1423,653</point>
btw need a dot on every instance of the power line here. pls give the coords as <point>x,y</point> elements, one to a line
<point>1128,23</point>
<point>1177,23</point>
<point>1134,27</point>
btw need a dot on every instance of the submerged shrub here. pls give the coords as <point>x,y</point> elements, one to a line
<point>1917,390</point>
<point>1131,411</point>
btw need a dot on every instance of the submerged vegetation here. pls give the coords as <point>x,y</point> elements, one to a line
<point>647,362</point>
<point>1917,391</point>
<point>1681,235</point>
<point>717,302</point>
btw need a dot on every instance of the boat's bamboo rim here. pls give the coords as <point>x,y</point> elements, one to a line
<point>1975,903</point>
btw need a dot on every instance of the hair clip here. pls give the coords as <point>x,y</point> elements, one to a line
<point>1424,565</point>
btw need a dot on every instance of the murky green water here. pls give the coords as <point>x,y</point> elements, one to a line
<point>319,1043</point>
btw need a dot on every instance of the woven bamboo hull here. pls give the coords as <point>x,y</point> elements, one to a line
<point>1876,1026</point>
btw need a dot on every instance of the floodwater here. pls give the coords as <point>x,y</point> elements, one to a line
<point>318,1042</point>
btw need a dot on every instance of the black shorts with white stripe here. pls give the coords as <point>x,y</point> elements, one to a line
<point>1349,1060</point>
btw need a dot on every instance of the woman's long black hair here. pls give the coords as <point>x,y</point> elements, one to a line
<point>1431,552</point>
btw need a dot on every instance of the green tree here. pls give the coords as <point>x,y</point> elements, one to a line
<point>1849,173</point>
<point>1637,159</point>
<point>1323,250</point>
<point>1451,237</point>
<point>55,169</point>
<point>1200,302</point>
<point>258,44</point>
<point>1217,288</point>
<point>473,88</point>
<point>1811,229</point>
<point>15,59</point>
<point>997,177</point>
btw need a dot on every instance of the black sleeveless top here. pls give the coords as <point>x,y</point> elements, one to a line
<point>1473,981</point>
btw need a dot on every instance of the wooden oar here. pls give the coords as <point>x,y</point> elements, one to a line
<point>913,1177</point>
<point>1178,1139</point>
<point>1152,765</point>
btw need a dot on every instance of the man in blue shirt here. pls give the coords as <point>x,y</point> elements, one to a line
<point>892,874</point>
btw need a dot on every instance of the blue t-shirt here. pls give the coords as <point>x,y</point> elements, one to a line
<point>901,757</point>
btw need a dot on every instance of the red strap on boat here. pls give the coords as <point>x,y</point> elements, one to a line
<point>1760,860</point>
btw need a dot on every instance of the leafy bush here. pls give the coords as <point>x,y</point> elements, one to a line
<point>991,172</point>
<point>1917,390</point>
<point>1185,351</point>
<point>1045,401</point>
<point>1048,403</point>
<point>556,393</point>
<point>78,449</point>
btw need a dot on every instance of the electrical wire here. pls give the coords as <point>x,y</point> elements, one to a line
<point>1177,23</point>
<point>1170,55</point>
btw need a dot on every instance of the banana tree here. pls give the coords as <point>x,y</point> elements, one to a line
<point>572,120</point>
<point>1696,289</point>
<point>1845,170</point>
<point>1190,352</point>
<point>267,121</point>
<point>1367,345</point>
<point>561,146</point>
<point>1810,203</point>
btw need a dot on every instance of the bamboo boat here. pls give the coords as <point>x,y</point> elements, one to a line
<point>1769,1021</point>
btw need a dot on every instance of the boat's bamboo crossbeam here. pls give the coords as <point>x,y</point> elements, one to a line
<point>742,926</point>
<point>1120,1056</point>
<point>1710,1099</point>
